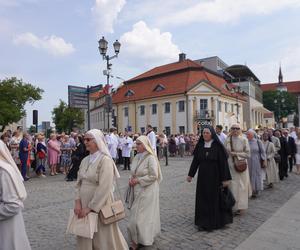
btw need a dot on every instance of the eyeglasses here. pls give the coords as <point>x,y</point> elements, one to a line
<point>88,139</point>
<point>235,128</point>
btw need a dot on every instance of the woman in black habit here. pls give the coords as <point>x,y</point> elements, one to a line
<point>210,159</point>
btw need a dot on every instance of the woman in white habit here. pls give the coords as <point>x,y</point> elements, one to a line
<point>12,195</point>
<point>94,189</point>
<point>144,220</point>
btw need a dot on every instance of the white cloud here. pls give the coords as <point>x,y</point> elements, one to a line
<point>53,45</point>
<point>222,11</point>
<point>148,45</point>
<point>289,58</point>
<point>105,13</point>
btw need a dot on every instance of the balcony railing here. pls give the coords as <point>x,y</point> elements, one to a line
<point>204,114</point>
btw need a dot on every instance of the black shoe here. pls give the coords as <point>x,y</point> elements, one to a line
<point>286,175</point>
<point>69,179</point>
<point>124,169</point>
<point>26,179</point>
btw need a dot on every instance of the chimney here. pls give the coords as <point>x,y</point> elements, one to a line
<point>182,57</point>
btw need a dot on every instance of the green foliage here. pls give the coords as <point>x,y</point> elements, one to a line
<point>272,100</point>
<point>66,118</point>
<point>14,94</point>
<point>32,129</point>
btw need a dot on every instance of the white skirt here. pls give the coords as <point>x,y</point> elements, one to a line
<point>298,159</point>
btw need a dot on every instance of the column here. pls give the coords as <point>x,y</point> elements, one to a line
<point>190,115</point>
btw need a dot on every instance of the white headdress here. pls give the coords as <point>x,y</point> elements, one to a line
<point>9,165</point>
<point>102,147</point>
<point>147,144</point>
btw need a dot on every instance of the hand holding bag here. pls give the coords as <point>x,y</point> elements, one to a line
<point>239,165</point>
<point>84,227</point>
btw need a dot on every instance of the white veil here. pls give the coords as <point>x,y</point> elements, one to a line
<point>102,147</point>
<point>9,165</point>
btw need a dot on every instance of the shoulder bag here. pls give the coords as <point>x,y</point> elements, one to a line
<point>114,211</point>
<point>239,165</point>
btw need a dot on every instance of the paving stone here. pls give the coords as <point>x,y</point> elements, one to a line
<point>49,200</point>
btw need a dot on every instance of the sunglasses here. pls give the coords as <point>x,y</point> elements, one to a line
<point>235,128</point>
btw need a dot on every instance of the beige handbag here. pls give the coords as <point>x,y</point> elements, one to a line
<point>112,213</point>
<point>84,227</point>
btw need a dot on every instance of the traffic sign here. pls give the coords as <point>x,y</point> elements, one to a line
<point>78,97</point>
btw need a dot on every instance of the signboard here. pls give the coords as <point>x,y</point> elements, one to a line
<point>78,97</point>
<point>96,88</point>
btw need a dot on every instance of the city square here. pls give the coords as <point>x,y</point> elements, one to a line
<point>168,125</point>
<point>47,210</point>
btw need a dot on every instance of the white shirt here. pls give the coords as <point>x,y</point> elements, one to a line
<point>152,139</point>
<point>176,141</point>
<point>222,137</point>
<point>127,144</point>
<point>112,143</point>
<point>181,140</point>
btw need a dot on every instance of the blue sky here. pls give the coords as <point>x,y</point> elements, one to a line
<point>54,43</point>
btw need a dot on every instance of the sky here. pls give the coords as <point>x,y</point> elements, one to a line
<point>54,43</point>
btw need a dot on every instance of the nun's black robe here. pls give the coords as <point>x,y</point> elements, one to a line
<point>213,169</point>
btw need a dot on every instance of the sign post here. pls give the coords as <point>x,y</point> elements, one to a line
<point>79,97</point>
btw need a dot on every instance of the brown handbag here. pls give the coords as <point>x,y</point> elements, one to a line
<point>239,165</point>
<point>112,213</point>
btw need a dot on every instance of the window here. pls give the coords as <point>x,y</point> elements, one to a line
<point>126,112</point>
<point>154,109</point>
<point>181,130</point>
<point>203,104</point>
<point>181,106</point>
<point>129,93</point>
<point>220,106</point>
<point>159,87</point>
<point>142,130</point>
<point>142,110</point>
<point>167,107</point>
<point>155,129</point>
<point>168,131</point>
<point>226,107</point>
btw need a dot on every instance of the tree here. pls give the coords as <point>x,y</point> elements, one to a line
<point>66,118</point>
<point>14,94</point>
<point>281,103</point>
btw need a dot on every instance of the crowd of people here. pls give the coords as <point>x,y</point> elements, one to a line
<point>232,167</point>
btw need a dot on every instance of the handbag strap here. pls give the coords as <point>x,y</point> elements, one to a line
<point>231,147</point>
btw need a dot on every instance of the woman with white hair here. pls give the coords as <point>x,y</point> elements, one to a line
<point>238,149</point>
<point>256,162</point>
<point>94,190</point>
<point>144,220</point>
<point>12,195</point>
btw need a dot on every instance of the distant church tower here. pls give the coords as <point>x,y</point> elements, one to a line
<point>281,86</point>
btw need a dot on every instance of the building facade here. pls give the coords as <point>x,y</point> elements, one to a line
<point>179,98</point>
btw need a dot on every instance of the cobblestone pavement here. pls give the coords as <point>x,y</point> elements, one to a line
<point>49,200</point>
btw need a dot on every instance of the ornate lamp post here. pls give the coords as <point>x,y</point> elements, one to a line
<point>103,45</point>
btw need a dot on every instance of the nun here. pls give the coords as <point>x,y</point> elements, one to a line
<point>144,219</point>
<point>12,195</point>
<point>94,190</point>
<point>210,160</point>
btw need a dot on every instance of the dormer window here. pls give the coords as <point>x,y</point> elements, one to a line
<point>129,93</point>
<point>159,87</point>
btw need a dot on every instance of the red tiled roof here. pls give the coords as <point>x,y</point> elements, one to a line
<point>96,95</point>
<point>177,78</point>
<point>292,87</point>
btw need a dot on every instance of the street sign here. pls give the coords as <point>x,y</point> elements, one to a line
<point>96,88</point>
<point>78,97</point>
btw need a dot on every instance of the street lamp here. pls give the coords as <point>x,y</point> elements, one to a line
<point>103,45</point>
<point>280,101</point>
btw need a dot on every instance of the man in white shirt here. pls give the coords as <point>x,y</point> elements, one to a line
<point>152,137</point>
<point>219,130</point>
<point>112,143</point>
<point>127,144</point>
